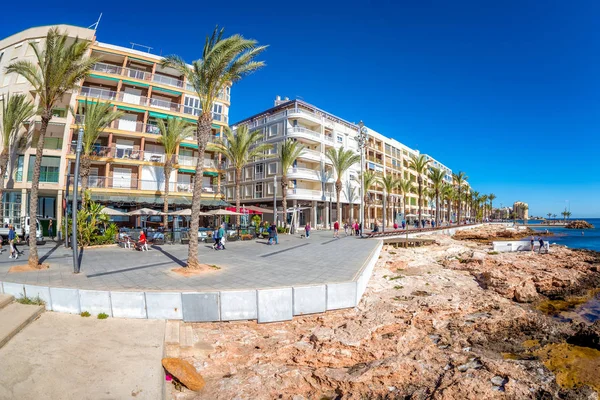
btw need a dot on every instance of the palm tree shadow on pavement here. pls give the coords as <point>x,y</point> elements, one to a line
<point>170,256</point>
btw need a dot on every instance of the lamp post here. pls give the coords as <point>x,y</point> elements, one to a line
<point>362,138</point>
<point>76,265</point>
<point>330,209</point>
<point>383,213</point>
<point>275,200</point>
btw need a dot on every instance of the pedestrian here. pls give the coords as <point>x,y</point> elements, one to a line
<point>395,225</point>
<point>222,236</point>
<point>432,223</point>
<point>532,241</point>
<point>50,230</point>
<point>11,242</point>
<point>336,229</point>
<point>273,234</point>
<point>375,227</point>
<point>216,239</point>
<point>541,244</point>
<point>307,229</point>
<point>403,224</point>
<point>423,223</point>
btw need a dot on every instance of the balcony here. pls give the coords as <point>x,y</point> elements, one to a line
<point>301,132</point>
<point>121,154</point>
<point>305,194</point>
<point>137,74</point>
<point>311,155</point>
<point>304,173</point>
<point>145,102</point>
<point>126,182</point>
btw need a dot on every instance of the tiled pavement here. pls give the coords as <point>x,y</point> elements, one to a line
<point>244,265</point>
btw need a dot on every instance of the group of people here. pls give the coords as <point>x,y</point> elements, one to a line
<point>541,242</point>
<point>13,238</point>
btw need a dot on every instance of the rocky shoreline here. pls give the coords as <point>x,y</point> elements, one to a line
<point>448,321</point>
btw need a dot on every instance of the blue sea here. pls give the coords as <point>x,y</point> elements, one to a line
<point>575,238</point>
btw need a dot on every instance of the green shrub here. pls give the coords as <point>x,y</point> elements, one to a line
<point>85,314</point>
<point>398,287</point>
<point>102,316</point>
<point>281,229</point>
<point>493,253</point>
<point>36,301</point>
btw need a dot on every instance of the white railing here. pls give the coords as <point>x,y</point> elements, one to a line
<point>98,93</point>
<point>167,80</point>
<point>187,161</point>
<point>309,194</point>
<point>302,130</point>
<point>107,68</point>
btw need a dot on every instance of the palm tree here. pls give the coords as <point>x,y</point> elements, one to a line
<point>554,217</point>
<point>60,67</point>
<point>459,180</point>
<point>368,179</point>
<point>289,150</point>
<point>240,148</point>
<point>484,199</point>
<point>171,135</point>
<point>471,201</point>
<point>419,165</point>
<point>224,61</point>
<point>16,110</point>
<point>351,197</point>
<point>342,160</point>
<point>437,176</point>
<point>97,117</point>
<point>491,198</point>
<point>448,195</point>
<point>390,183</point>
<point>406,186</point>
<point>549,215</point>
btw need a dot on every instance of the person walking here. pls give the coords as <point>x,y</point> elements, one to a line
<point>532,241</point>
<point>403,224</point>
<point>541,244</point>
<point>11,242</point>
<point>395,225</point>
<point>216,239</point>
<point>222,236</point>
<point>336,229</point>
<point>273,234</point>
<point>50,230</point>
<point>307,229</point>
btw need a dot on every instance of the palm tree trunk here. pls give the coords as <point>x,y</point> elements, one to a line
<point>203,127</point>
<point>420,181</point>
<point>459,206</point>
<point>238,179</point>
<point>284,186</point>
<point>404,211</point>
<point>86,165</point>
<point>3,167</point>
<point>34,259</point>
<point>338,192</point>
<point>167,172</point>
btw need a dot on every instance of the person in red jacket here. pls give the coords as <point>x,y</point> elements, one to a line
<point>142,244</point>
<point>336,229</point>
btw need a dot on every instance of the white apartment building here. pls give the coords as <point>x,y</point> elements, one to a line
<point>312,179</point>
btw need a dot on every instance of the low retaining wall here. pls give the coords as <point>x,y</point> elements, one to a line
<point>518,245</point>
<point>263,305</point>
<point>446,231</point>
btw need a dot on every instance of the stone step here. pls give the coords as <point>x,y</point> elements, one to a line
<point>172,332</point>
<point>14,317</point>
<point>6,299</point>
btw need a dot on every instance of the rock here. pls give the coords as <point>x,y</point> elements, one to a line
<point>184,372</point>
<point>526,292</point>
<point>587,336</point>
<point>478,257</point>
<point>499,381</point>
<point>579,225</point>
<point>321,334</point>
<point>472,364</point>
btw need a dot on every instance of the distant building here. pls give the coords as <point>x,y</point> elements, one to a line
<point>521,210</point>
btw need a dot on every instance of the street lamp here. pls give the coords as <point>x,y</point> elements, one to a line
<point>363,136</point>
<point>76,265</point>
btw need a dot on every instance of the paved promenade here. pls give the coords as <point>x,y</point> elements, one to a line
<point>244,265</point>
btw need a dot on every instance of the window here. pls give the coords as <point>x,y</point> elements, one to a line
<point>274,130</point>
<point>229,176</point>
<point>49,169</point>
<point>229,193</point>
<point>217,112</point>
<point>259,171</point>
<point>340,139</point>
<point>192,106</point>
<point>19,169</point>
<point>258,191</point>
<point>272,168</point>
<point>270,188</point>
<point>247,191</point>
<point>248,173</point>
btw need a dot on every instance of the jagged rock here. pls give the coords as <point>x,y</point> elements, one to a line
<point>579,225</point>
<point>526,292</point>
<point>478,257</point>
<point>184,372</point>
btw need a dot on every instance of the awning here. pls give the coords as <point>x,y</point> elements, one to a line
<point>166,90</point>
<point>186,170</point>
<point>154,200</point>
<point>210,173</point>
<point>131,109</point>
<point>189,145</point>
<point>135,83</point>
<point>108,78</point>
<point>158,115</point>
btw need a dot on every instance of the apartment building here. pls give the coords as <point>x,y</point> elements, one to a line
<point>312,179</point>
<point>127,158</point>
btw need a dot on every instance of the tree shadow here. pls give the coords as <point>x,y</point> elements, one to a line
<point>49,253</point>
<point>169,255</point>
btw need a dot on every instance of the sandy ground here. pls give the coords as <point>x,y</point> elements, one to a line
<point>63,356</point>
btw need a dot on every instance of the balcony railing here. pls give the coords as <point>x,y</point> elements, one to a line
<point>129,182</point>
<point>45,176</point>
<point>306,173</point>
<point>144,101</point>
<point>309,194</point>
<point>304,131</point>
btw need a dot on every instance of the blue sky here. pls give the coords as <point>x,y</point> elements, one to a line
<point>506,91</point>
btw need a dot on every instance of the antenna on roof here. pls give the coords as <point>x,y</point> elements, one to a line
<point>95,25</point>
<point>148,48</point>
